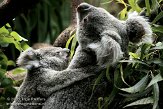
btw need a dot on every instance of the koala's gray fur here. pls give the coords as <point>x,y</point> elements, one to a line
<point>108,38</point>
<point>103,39</point>
<point>37,61</point>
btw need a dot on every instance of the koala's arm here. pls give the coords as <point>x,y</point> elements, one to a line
<point>80,67</point>
<point>108,49</point>
<point>56,80</point>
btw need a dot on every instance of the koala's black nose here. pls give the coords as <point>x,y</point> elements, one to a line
<point>83,7</point>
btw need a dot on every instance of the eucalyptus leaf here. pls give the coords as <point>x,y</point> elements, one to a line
<point>73,46</point>
<point>24,45</point>
<point>137,95</point>
<point>3,30</point>
<point>143,101</point>
<point>18,71</point>
<point>11,63</point>
<point>138,87</point>
<point>134,61</point>
<point>17,36</point>
<point>69,41</point>
<point>6,82</point>
<point>134,5</point>
<point>122,14</point>
<point>134,55</point>
<point>158,17</point>
<point>147,7</point>
<point>157,29</point>
<point>155,61</point>
<point>155,95</point>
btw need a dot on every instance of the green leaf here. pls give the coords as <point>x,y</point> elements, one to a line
<point>107,73</point>
<point>73,46</point>
<point>157,29</point>
<point>134,61</point>
<point>134,5</point>
<point>10,92</point>
<point>147,6</point>
<point>123,13</point>
<point>100,99</point>
<point>11,40</point>
<point>6,82</point>
<point>8,25</point>
<point>18,46</point>
<point>139,87</point>
<point>158,46</point>
<point>24,45</point>
<point>122,77</point>
<point>144,50</point>
<point>154,5</point>
<point>158,17</point>
<point>17,36</point>
<point>155,94</point>
<point>11,63</point>
<point>69,41</point>
<point>143,101</point>
<point>137,95</point>
<point>3,30</point>
<point>106,2</point>
<point>97,81</point>
<point>160,1</point>
<point>18,71</point>
<point>155,61</point>
<point>134,55</point>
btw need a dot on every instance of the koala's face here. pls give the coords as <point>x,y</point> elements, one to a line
<point>55,58</point>
<point>92,21</point>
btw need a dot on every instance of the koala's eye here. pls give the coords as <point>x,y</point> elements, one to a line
<point>57,53</point>
<point>38,56</point>
<point>85,20</point>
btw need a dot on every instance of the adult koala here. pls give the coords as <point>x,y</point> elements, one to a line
<point>103,39</point>
<point>107,37</point>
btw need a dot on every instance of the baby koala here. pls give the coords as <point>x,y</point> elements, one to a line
<point>37,62</point>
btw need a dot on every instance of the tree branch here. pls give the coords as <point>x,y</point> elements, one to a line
<point>64,36</point>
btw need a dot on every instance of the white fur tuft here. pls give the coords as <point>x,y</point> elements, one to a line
<point>147,38</point>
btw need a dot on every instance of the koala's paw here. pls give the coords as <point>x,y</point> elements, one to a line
<point>138,29</point>
<point>28,59</point>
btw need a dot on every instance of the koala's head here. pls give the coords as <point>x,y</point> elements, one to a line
<point>92,21</point>
<point>55,58</point>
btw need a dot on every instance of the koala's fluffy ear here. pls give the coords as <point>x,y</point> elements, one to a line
<point>138,29</point>
<point>28,59</point>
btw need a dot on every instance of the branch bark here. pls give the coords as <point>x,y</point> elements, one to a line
<point>65,35</point>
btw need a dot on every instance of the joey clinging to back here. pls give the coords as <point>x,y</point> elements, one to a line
<point>108,37</point>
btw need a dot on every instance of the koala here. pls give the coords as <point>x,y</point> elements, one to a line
<point>107,38</point>
<point>36,62</point>
<point>103,40</point>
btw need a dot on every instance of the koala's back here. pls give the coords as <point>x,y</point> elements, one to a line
<point>77,96</point>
